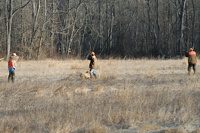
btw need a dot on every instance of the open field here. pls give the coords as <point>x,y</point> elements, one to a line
<point>129,96</point>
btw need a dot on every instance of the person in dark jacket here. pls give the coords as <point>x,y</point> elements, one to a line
<point>92,64</point>
<point>192,60</point>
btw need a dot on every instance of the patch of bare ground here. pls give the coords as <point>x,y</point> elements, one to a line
<point>129,96</point>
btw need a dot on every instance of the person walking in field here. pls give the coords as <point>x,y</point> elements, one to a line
<point>11,67</point>
<point>92,64</point>
<point>192,60</point>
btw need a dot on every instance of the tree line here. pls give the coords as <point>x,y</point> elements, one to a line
<point>38,29</point>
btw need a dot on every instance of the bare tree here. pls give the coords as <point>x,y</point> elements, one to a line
<point>121,28</point>
<point>182,4</point>
<point>9,20</point>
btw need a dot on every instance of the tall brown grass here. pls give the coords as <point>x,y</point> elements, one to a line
<point>49,97</point>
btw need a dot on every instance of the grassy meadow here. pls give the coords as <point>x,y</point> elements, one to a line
<point>129,96</point>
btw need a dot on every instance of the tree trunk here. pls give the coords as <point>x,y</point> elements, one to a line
<point>9,17</point>
<point>52,29</point>
<point>182,4</point>
<point>193,24</point>
<point>43,30</point>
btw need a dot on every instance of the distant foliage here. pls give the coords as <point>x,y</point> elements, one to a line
<point>114,28</point>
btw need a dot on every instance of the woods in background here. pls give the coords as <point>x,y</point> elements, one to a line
<point>36,29</point>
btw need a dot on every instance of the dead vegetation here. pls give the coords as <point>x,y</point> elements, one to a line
<point>129,96</point>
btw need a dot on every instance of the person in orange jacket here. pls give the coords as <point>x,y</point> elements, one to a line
<point>11,67</point>
<point>92,64</point>
<point>192,60</point>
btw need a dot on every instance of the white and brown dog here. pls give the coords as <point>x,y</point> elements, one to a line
<point>85,75</point>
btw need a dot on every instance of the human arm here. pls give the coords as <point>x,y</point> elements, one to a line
<point>14,63</point>
<point>89,57</point>
<point>186,54</point>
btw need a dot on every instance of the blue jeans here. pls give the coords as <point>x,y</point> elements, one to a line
<point>11,69</point>
<point>92,72</point>
<point>11,75</point>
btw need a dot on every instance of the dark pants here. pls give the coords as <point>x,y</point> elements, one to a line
<point>11,76</point>
<point>190,65</point>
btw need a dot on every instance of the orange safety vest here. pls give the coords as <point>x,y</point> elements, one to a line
<point>191,53</point>
<point>10,63</point>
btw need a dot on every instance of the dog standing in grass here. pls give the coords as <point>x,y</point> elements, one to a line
<point>85,75</point>
<point>12,63</point>
<point>92,64</point>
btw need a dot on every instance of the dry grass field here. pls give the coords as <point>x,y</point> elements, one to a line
<point>129,96</point>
